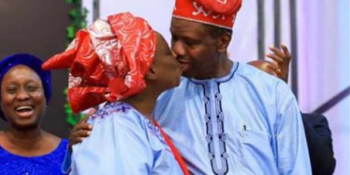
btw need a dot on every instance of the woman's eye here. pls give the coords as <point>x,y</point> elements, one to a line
<point>11,90</point>
<point>32,88</point>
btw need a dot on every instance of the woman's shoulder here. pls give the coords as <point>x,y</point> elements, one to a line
<point>47,163</point>
<point>118,118</point>
<point>59,145</point>
<point>55,139</point>
<point>115,113</point>
<point>2,142</point>
<point>1,137</point>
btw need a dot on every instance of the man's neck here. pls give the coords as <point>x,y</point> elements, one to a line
<point>221,69</point>
<point>224,68</point>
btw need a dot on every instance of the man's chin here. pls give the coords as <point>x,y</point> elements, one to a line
<point>187,74</point>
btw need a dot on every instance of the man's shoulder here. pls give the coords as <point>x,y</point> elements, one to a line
<point>263,84</point>
<point>257,79</point>
<point>251,73</point>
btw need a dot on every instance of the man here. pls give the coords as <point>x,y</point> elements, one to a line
<point>227,118</point>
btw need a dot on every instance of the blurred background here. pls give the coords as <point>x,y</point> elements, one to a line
<point>317,32</point>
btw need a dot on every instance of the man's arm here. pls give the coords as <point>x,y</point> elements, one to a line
<point>292,151</point>
<point>319,140</point>
<point>318,133</point>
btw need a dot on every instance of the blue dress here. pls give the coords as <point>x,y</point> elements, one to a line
<point>49,164</point>
<point>123,142</point>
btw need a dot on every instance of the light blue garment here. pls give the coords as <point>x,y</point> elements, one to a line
<point>246,123</point>
<point>123,142</point>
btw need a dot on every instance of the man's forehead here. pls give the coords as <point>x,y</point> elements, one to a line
<point>186,27</point>
<point>184,23</point>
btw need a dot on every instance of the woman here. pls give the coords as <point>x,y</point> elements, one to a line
<point>25,92</point>
<point>123,62</point>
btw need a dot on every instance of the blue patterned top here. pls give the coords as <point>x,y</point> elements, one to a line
<point>49,164</point>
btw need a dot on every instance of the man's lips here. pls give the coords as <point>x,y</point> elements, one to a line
<point>184,64</point>
<point>182,60</point>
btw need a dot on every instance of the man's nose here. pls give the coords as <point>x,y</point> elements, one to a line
<point>178,49</point>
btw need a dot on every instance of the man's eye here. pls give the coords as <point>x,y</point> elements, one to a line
<point>191,43</point>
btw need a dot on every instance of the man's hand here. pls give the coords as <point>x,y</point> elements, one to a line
<point>282,57</point>
<point>80,131</point>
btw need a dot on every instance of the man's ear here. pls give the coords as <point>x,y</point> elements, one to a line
<point>152,73</point>
<point>224,41</point>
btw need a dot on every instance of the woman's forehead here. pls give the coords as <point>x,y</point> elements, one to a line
<point>21,71</point>
<point>21,67</point>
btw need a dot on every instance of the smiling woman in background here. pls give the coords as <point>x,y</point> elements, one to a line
<point>25,92</point>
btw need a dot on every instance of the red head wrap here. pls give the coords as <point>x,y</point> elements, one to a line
<point>107,61</point>
<point>220,13</point>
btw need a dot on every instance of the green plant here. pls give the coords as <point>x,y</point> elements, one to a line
<point>78,16</point>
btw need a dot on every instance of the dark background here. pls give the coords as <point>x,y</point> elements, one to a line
<point>38,27</point>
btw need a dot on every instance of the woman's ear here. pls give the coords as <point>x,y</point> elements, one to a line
<point>152,73</point>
